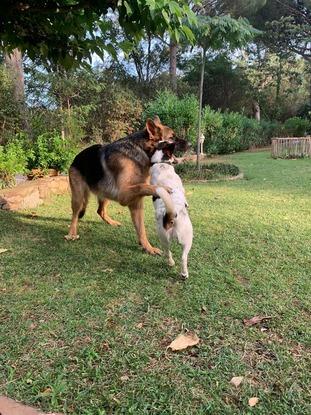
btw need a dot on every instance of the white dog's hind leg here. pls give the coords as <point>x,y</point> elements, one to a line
<point>184,260</point>
<point>166,249</point>
<point>170,259</point>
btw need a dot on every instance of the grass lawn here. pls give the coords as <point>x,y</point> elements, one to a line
<point>84,325</point>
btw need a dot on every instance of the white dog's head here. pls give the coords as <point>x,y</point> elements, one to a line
<point>164,153</point>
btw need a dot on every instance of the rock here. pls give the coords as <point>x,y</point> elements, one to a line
<point>32,193</point>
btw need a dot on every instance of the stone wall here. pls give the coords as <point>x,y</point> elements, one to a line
<point>32,193</point>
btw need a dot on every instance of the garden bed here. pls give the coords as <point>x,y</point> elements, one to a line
<point>208,171</point>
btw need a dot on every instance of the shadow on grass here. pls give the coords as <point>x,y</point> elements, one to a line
<point>39,240</point>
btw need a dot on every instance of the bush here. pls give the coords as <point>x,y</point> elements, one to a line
<point>13,160</point>
<point>189,171</point>
<point>179,114</point>
<point>296,127</point>
<point>52,152</point>
<point>230,131</point>
<point>118,113</point>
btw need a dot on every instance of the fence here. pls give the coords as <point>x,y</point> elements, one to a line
<point>291,147</point>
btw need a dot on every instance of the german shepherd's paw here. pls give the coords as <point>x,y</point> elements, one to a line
<point>112,222</point>
<point>152,250</point>
<point>71,237</point>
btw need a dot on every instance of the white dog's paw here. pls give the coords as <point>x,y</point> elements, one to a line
<point>171,262</point>
<point>184,275</point>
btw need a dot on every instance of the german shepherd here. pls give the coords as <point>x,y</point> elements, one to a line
<point>118,171</point>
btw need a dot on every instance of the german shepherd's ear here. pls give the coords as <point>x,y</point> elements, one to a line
<point>151,128</point>
<point>157,121</point>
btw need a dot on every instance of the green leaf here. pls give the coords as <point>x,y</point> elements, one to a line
<point>126,46</point>
<point>188,33</point>
<point>175,9</point>
<point>111,50</point>
<point>128,8</point>
<point>166,17</point>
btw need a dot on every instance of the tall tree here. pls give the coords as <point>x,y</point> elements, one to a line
<point>14,63</point>
<point>173,64</point>
<point>215,33</point>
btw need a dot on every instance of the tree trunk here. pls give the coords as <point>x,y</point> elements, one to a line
<point>256,111</point>
<point>173,65</point>
<point>278,86</point>
<point>200,107</point>
<point>14,63</point>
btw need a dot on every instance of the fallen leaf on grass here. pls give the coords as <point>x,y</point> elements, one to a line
<point>139,325</point>
<point>46,392</point>
<point>32,215</point>
<point>255,320</point>
<point>2,250</point>
<point>203,309</point>
<point>124,378</point>
<point>183,341</point>
<point>236,380</point>
<point>253,401</point>
<point>263,329</point>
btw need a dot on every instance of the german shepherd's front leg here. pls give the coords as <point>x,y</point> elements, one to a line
<point>129,194</point>
<point>137,214</point>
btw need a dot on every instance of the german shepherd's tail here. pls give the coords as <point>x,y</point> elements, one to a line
<point>170,215</point>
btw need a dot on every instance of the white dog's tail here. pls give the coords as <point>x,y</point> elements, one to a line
<point>168,220</point>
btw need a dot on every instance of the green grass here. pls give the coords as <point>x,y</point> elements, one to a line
<point>69,339</point>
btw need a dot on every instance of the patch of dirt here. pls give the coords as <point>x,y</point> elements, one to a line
<point>10,407</point>
<point>241,280</point>
<point>257,353</point>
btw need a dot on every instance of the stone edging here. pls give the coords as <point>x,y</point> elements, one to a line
<point>31,194</point>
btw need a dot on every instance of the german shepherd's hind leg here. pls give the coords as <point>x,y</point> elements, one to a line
<point>137,214</point>
<point>102,211</point>
<point>79,198</point>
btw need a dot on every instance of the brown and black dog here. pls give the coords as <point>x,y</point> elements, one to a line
<point>118,171</point>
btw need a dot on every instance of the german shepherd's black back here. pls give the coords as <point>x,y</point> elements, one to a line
<point>89,162</point>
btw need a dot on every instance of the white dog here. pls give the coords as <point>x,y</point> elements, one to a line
<point>171,212</point>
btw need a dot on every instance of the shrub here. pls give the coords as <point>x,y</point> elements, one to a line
<point>230,131</point>
<point>179,114</point>
<point>52,152</point>
<point>118,113</point>
<point>13,160</point>
<point>210,171</point>
<point>224,131</point>
<point>296,127</point>
<point>269,129</point>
